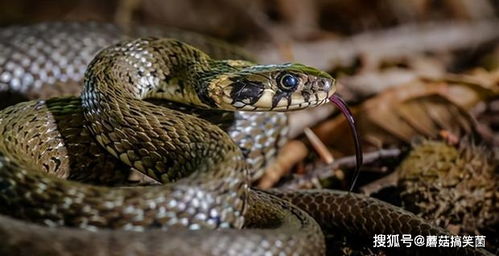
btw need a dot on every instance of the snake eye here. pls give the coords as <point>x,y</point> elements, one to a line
<point>288,82</point>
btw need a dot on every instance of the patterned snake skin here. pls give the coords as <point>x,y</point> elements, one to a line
<point>114,129</point>
<point>49,59</point>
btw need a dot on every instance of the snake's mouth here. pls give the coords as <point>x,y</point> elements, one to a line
<point>271,100</point>
<point>299,102</point>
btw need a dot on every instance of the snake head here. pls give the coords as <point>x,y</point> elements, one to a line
<point>281,87</point>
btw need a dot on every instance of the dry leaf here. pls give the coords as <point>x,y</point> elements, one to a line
<point>422,108</point>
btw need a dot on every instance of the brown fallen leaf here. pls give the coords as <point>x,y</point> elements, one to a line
<point>424,107</point>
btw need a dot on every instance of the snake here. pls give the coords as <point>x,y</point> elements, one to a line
<point>205,204</point>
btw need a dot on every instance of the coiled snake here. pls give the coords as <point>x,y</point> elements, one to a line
<point>203,211</point>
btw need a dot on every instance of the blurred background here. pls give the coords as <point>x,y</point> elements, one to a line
<point>421,76</point>
<point>239,19</point>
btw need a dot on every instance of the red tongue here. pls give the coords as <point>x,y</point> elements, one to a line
<point>342,106</point>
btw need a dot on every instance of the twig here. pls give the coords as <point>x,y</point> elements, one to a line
<point>350,161</point>
<point>319,146</point>
<point>324,171</point>
<point>291,153</point>
<point>404,41</point>
<point>375,186</point>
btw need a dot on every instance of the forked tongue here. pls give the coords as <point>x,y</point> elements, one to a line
<point>342,106</point>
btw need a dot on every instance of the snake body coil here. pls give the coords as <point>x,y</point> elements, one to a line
<point>210,200</point>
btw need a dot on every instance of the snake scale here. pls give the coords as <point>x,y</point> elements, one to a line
<point>206,206</point>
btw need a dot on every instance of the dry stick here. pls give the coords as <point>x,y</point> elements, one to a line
<point>324,171</point>
<point>375,186</point>
<point>319,146</point>
<point>291,153</point>
<point>403,41</point>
